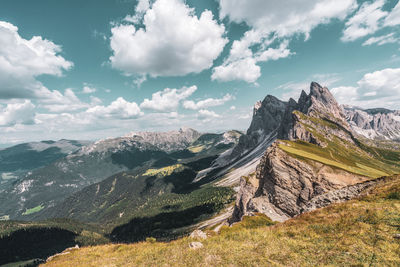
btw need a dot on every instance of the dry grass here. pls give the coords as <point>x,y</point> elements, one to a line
<point>356,233</point>
<point>163,171</point>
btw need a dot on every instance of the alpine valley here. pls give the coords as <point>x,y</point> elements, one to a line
<point>311,182</point>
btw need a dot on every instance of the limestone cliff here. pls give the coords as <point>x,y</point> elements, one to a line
<point>316,154</point>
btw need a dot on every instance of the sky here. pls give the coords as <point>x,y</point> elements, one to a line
<point>96,69</point>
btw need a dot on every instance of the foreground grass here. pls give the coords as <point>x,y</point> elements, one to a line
<point>356,233</point>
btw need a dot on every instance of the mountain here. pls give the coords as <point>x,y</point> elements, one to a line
<point>159,198</point>
<point>106,164</point>
<point>378,123</point>
<point>46,186</point>
<point>124,195</point>
<point>17,161</point>
<point>316,154</point>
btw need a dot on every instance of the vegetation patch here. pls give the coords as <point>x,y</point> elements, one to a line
<point>163,171</point>
<point>33,210</point>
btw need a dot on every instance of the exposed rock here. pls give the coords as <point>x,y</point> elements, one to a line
<point>288,186</point>
<point>339,195</point>
<point>267,117</point>
<point>285,186</point>
<point>198,234</point>
<point>195,245</point>
<point>374,123</point>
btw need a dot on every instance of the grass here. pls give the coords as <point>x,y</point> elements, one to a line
<point>196,149</point>
<point>33,210</point>
<point>356,233</point>
<point>298,149</point>
<point>163,171</point>
<point>341,149</point>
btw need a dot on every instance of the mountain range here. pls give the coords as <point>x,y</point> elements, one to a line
<point>295,157</point>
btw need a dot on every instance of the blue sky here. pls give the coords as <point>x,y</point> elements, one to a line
<point>84,69</point>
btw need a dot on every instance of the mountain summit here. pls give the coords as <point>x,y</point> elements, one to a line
<point>316,160</point>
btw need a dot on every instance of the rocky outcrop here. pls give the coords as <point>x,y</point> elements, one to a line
<point>375,123</point>
<point>267,117</point>
<point>285,185</point>
<point>319,105</point>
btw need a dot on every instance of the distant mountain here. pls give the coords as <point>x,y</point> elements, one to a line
<point>17,160</point>
<point>316,160</point>
<point>377,123</point>
<point>157,193</point>
<point>49,186</point>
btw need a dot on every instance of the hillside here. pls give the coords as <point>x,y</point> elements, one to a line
<point>16,161</point>
<point>360,232</point>
<point>45,187</point>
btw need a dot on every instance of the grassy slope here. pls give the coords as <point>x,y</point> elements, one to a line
<point>356,233</point>
<point>356,157</point>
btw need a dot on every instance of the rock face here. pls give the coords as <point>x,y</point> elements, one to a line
<point>167,141</point>
<point>267,117</point>
<point>285,185</point>
<point>375,123</point>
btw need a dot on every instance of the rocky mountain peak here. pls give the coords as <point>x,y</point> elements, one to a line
<point>321,103</point>
<point>315,157</point>
<point>377,123</point>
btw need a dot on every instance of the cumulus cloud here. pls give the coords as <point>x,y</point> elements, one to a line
<point>22,60</point>
<point>172,42</point>
<point>377,89</point>
<point>17,113</point>
<point>246,68</point>
<point>55,101</point>
<point>205,114</point>
<point>282,21</point>
<point>167,100</point>
<point>366,21</point>
<point>206,103</point>
<point>119,109</point>
<point>88,90</point>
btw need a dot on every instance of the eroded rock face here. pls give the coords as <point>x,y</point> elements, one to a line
<point>284,186</point>
<point>374,123</point>
<point>267,117</point>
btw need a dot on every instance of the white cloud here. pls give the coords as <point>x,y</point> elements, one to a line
<point>119,109</point>
<point>232,108</point>
<point>271,21</point>
<point>243,69</point>
<point>173,42</point>
<point>88,90</point>
<point>205,114</point>
<point>366,21</point>
<point>55,101</point>
<point>246,68</point>
<point>377,89</point>
<point>393,18</point>
<point>381,40</point>
<point>206,103</point>
<point>168,99</point>
<point>22,60</point>
<point>285,18</point>
<point>17,113</point>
